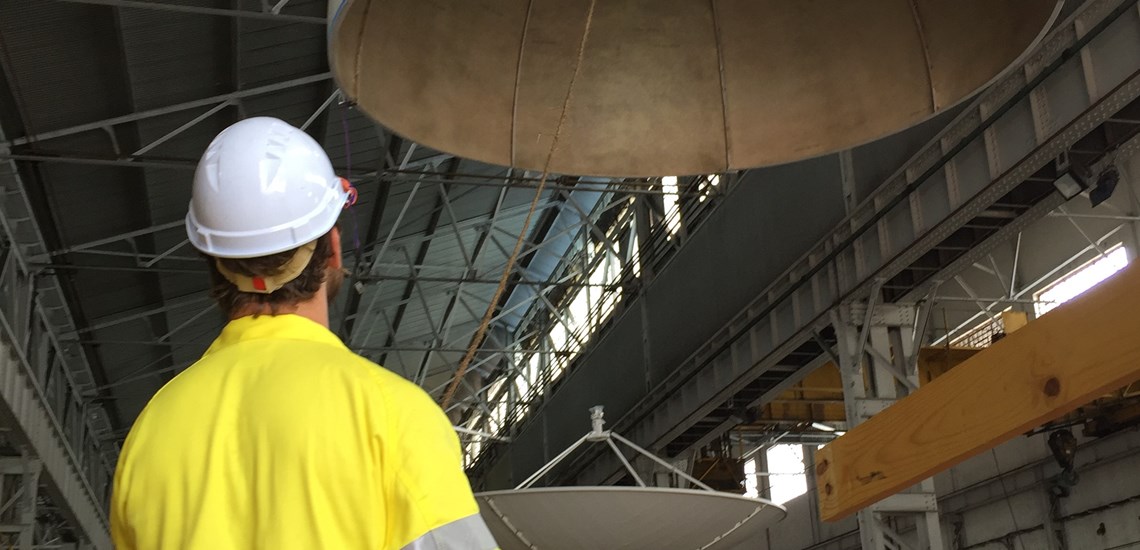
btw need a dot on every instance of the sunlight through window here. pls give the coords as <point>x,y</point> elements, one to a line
<point>751,485</point>
<point>669,196</point>
<point>786,472</point>
<point>708,183</point>
<point>1080,280</point>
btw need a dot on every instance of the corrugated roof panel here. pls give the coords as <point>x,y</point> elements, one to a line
<point>419,321</point>
<point>452,247</point>
<point>280,37</point>
<point>365,145</point>
<point>294,105</point>
<point>72,78</point>
<point>272,51</point>
<point>92,202</point>
<point>268,74</point>
<point>268,48</point>
<point>173,58</point>
<point>419,208</point>
<point>484,169</point>
<point>169,193</point>
<point>107,295</point>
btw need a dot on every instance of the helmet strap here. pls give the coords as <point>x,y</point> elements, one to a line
<point>267,284</point>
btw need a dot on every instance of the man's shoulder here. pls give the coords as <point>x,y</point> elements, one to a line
<point>397,390</point>
<point>302,361</point>
<point>309,364</point>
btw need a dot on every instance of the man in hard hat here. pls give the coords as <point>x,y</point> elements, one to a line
<point>280,437</point>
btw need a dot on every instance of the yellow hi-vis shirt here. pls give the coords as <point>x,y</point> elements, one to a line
<point>282,438</point>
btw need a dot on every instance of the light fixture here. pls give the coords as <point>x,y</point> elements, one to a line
<point>1074,181</point>
<point>1067,186</point>
<point>1064,448</point>
<point>1105,185</point>
<point>822,427</point>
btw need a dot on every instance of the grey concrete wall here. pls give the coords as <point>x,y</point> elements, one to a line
<point>772,217</point>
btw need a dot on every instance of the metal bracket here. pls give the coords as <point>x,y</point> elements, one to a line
<point>598,434</point>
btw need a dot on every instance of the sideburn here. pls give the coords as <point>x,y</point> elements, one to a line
<point>334,279</point>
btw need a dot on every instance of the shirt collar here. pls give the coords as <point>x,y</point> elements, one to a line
<point>276,327</point>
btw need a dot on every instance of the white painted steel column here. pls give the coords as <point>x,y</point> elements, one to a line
<point>878,364</point>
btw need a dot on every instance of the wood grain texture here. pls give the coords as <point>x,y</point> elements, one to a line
<point>936,361</point>
<point>1076,353</point>
<point>818,398</point>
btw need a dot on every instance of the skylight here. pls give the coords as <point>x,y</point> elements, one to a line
<point>670,198</point>
<point>1076,283</point>
<point>786,472</point>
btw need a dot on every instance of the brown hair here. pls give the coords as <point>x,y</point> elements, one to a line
<point>304,287</point>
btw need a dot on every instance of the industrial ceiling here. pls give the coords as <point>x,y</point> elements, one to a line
<point>105,106</point>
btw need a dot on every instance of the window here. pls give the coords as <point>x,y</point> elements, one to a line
<point>499,410</point>
<point>706,185</point>
<point>1080,280</point>
<point>522,383</point>
<point>634,250</point>
<point>579,314</point>
<point>671,200</point>
<point>982,335</point>
<point>786,476</point>
<point>751,484</point>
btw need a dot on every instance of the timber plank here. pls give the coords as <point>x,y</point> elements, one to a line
<point>1073,355</point>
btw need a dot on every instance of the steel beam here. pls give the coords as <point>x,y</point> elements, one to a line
<point>449,310</point>
<point>61,434</point>
<point>125,317</point>
<point>872,380</point>
<point>320,110</point>
<point>421,254</point>
<point>474,281</point>
<point>112,239</point>
<point>399,347</point>
<point>92,160</point>
<point>198,10</point>
<point>173,133</point>
<point>1018,296</point>
<point>151,113</point>
<point>40,381</point>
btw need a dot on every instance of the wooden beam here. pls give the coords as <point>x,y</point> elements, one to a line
<point>817,398</point>
<point>1012,321</point>
<point>936,361</point>
<point>1075,354</point>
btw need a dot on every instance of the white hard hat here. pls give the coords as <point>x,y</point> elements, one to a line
<point>262,187</point>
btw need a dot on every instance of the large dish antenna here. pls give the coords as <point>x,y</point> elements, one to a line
<point>668,87</point>
<point>615,518</point>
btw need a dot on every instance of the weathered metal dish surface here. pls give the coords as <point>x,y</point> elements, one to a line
<point>668,87</point>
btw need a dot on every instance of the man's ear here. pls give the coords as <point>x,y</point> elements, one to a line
<point>335,260</point>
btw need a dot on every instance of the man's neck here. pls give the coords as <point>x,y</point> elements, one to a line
<point>315,309</point>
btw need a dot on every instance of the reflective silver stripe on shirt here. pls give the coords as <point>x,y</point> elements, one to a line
<point>469,533</point>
